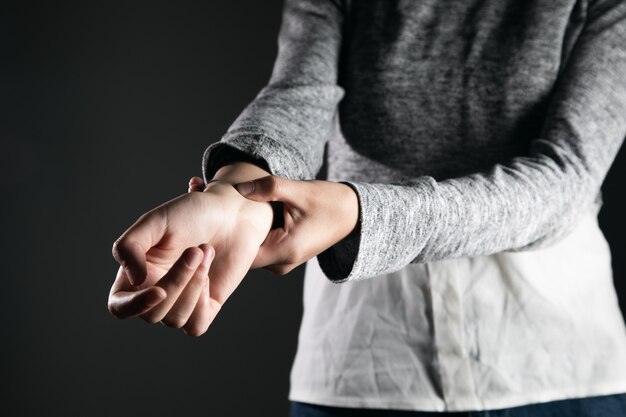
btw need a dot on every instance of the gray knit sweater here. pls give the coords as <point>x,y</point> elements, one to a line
<point>465,127</point>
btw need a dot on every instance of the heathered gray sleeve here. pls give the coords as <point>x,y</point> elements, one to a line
<point>287,124</point>
<point>524,203</point>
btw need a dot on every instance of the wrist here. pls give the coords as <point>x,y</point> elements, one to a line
<point>258,214</point>
<point>350,210</point>
<point>239,172</point>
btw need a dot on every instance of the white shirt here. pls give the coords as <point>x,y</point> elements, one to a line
<point>476,333</point>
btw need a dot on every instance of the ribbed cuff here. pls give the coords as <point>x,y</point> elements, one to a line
<point>281,159</point>
<point>394,224</point>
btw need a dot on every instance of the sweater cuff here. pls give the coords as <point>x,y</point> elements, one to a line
<point>394,224</point>
<point>278,158</point>
<point>224,155</point>
<point>345,261</point>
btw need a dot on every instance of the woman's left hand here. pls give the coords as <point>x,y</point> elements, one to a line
<point>317,215</point>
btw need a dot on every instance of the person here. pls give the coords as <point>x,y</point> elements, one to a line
<point>466,146</point>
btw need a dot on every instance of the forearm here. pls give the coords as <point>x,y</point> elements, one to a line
<point>288,123</point>
<point>524,202</point>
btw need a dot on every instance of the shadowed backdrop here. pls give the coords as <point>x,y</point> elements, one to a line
<point>105,110</point>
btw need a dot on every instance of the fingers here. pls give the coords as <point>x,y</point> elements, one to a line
<point>130,249</point>
<point>125,303</point>
<point>184,306</point>
<point>277,254</point>
<point>272,188</point>
<point>282,251</point>
<point>281,269</point>
<point>196,181</point>
<point>196,184</point>
<point>279,265</point>
<point>203,315</point>
<point>270,252</point>
<point>131,256</point>
<point>180,299</point>
<point>174,282</point>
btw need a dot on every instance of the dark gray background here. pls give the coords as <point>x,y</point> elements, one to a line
<point>105,110</point>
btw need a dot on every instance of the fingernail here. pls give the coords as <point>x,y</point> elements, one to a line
<point>208,257</point>
<point>245,188</point>
<point>193,258</point>
<point>130,276</point>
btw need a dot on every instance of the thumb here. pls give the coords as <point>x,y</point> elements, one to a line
<point>270,188</point>
<point>131,248</point>
<point>196,184</point>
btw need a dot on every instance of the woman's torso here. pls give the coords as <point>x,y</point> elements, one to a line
<point>446,88</point>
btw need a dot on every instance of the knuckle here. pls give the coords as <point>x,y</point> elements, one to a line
<point>195,331</point>
<point>178,278</point>
<point>151,318</point>
<point>273,185</point>
<point>113,310</point>
<point>288,269</point>
<point>174,320</point>
<point>118,248</point>
<point>293,255</point>
<point>272,268</point>
<point>279,269</point>
<point>121,249</point>
<point>197,283</point>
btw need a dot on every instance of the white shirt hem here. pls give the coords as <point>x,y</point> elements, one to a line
<point>469,404</point>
